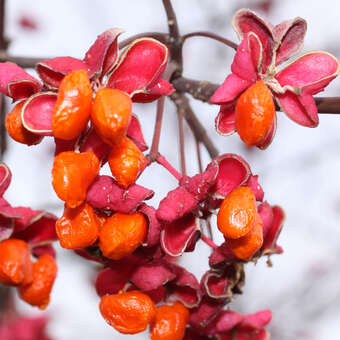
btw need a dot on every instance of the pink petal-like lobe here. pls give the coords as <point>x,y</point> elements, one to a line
<point>52,71</point>
<point>36,114</point>
<point>105,193</point>
<point>16,83</point>
<point>134,132</point>
<point>102,55</point>
<point>225,120</point>
<point>177,236</point>
<point>140,66</point>
<point>289,35</point>
<point>5,178</point>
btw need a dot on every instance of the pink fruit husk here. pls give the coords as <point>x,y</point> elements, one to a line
<point>140,66</point>
<point>225,322</point>
<point>233,172</point>
<point>266,213</point>
<point>221,256</point>
<point>178,203</point>
<point>102,55</point>
<point>38,251</point>
<point>216,285</point>
<point>5,178</point>
<point>62,145</point>
<point>269,242</point>
<point>200,184</point>
<point>52,71</point>
<point>290,35</point>
<point>185,288</point>
<point>203,314</point>
<point>178,236</point>
<point>245,21</point>
<point>40,230</point>
<point>225,120</point>
<point>306,76</point>
<point>254,185</point>
<point>153,92</point>
<point>152,275</point>
<point>16,82</point>
<point>36,113</point>
<point>134,132</point>
<point>111,281</point>
<point>6,228</point>
<point>154,226</point>
<point>92,142</point>
<point>105,193</point>
<point>7,211</point>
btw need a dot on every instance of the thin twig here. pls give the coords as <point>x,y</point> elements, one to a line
<point>182,103</point>
<point>199,156</point>
<point>157,130</point>
<point>211,36</point>
<point>162,161</point>
<point>172,20</point>
<point>209,242</point>
<point>181,141</point>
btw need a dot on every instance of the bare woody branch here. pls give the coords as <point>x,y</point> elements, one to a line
<point>203,90</point>
<point>183,106</point>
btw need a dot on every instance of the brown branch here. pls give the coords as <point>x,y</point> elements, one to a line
<point>211,36</point>
<point>183,105</point>
<point>175,42</point>
<point>172,20</point>
<point>203,90</point>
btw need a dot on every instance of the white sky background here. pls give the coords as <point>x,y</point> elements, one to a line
<point>300,170</point>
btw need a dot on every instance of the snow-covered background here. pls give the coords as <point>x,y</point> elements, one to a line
<point>300,171</point>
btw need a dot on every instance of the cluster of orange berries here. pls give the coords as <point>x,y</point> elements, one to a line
<point>240,223</point>
<point>34,281</point>
<point>133,311</point>
<point>73,172</point>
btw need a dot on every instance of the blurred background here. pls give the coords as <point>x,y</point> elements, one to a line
<point>300,171</point>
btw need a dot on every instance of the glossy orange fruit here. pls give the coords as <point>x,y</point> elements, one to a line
<point>254,113</point>
<point>73,106</point>
<point>72,173</point>
<point>15,262</point>
<point>17,130</point>
<point>129,312</point>
<point>78,227</point>
<point>37,293</point>
<point>122,234</point>
<point>126,162</point>
<point>237,213</point>
<point>111,113</point>
<point>170,322</point>
<point>245,247</point>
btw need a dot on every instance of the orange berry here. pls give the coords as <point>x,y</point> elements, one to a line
<point>38,292</point>
<point>237,213</point>
<point>73,106</point>
<point>17,130</point>
<point>126,162</point>
<point>72,174</point>
<point>111,113</point>
<point>170,322</point>
<point>254,113</point>
<point>78,227</point>
<point>128,313</point>
<point>15,262</point>
<point>245,247</point>
<point>122,234</point>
